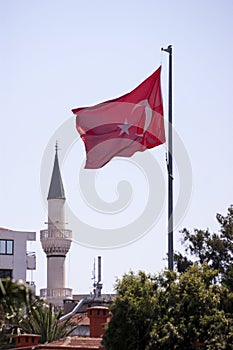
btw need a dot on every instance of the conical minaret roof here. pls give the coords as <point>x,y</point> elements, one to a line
<point>56,189</point>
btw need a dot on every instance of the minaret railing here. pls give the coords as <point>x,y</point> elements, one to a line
<point>57,292</point>
<point>55,233</point>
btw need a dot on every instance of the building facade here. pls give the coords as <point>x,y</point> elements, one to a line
<point>15,260</point>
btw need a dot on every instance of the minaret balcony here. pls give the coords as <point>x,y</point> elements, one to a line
<point>66,293</point>
<point>55,233</point>
<point>56,241</point>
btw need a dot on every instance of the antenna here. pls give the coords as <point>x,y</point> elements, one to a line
<point>99,269</point>
<point>97,285</point>
<point>94,275</point>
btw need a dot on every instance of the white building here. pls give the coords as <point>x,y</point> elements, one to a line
<point>15,260</point>
<point>56,241</point>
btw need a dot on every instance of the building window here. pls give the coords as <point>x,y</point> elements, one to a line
<point>6,246</point>
<point>5,273</point>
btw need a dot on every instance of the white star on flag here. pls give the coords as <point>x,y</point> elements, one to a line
<point>124,127</point>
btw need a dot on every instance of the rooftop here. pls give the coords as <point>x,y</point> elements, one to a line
<point>81,318</point>
<point>74,342</point>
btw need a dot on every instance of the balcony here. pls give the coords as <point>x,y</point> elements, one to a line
<point>56,293</point>
<point>31,260</point>
<point>32,286</point>
<point>59,233</point>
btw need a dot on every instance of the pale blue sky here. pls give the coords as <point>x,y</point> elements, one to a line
<point>57,55</point>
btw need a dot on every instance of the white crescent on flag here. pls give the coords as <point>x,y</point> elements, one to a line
<point>148,112</point>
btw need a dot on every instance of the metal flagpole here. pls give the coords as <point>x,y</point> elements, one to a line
<point>169,165</point>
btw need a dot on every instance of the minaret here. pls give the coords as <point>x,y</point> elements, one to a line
<point>56,240</point>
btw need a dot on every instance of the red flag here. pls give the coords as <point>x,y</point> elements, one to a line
<point>123,126</point>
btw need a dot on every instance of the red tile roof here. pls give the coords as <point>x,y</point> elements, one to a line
<point>81,319</point>
<point>75,342</point>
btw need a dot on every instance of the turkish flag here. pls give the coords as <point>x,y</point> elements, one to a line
<point>122,126</point>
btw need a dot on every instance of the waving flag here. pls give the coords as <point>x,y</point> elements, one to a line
<point>120,127</point>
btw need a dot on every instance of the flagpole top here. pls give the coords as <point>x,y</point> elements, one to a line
<point>168,49</point>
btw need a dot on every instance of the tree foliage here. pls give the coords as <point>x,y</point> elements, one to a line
<point>171,311</point>
<point>215,249</point>
<point>43,320</point>
<point>190,312</point>
<point>16,298</point>
<point>188,309</point>
<point>22,312</point>
<point>132,313</point>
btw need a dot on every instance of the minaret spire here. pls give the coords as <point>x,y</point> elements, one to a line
<point>56,189</point>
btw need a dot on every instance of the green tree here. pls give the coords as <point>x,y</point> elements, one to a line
<point>132,313</point>
<point>190,312</point>
<point>215,249</point>
<point>21,311</point>
<point>188,309</point>
<point>43,320</point>
<point>170,311</point>
<point>15,300</point>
